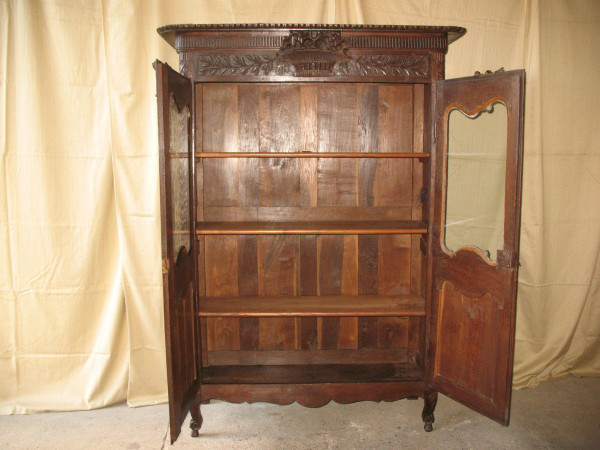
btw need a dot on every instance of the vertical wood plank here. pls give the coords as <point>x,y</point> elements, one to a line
<point>350,265</point>
<point>416,334</point>
<point>368,260</point>
<point>277,334</point>
<point>221,255</point>
<point>248,142</point>
<point>220,134</point>
<point>309,143</point>
<point>308,333</point>
<point>308,265</point>
<point>277,277</point>
<point>331,264</point>
<point>393,279</point>
<point>367,332</point>
<point>348,334</point>
<point>337,124</point>
<point>368,132</point>
<point>248,286</point>
<point>394,265</point>
<point>393,179</point>
<point>279,130</point>
<point>221,266</point>
<point>308,286</point>
<point>276,265</point>
<point>331,259</point>
<point>247,265</point>
<point>329,332</point>
<point>392,332</point>
<point>226,333</point>
<point>368,284</point>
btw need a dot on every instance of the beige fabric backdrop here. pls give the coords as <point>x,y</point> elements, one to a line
<point>80,282</point>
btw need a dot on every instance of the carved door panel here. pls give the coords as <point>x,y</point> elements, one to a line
<point>175,107</point>
<point>477,203</point>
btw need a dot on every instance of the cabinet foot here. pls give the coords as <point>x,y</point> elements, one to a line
<point>427,415</point>
<point>196,422</point>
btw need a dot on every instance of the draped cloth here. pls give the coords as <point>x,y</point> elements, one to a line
<point>81,322</point>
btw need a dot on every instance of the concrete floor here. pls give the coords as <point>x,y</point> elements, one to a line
<point>561,414</point>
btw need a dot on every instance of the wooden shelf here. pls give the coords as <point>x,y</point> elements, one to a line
<point>311,373</point>
<point>309,306</point>
<point>337,227</point>
<point>303,155</point>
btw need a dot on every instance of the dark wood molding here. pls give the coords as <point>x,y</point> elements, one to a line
<point>389,36</point>
<point>438,62</point>
<point>307,53</point>
<point>293,50</point>
<point>385,66</point>
<point>312,395</point>
<point>270,41</point>
<point>306,63</point>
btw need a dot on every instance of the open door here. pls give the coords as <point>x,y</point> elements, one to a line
<point>175,110</point>
<point>477,204</point>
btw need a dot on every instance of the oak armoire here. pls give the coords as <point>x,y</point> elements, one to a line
<point>339,222</point>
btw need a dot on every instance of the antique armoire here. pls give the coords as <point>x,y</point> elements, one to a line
<point>322,219</point>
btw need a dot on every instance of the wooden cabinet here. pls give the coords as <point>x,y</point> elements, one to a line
<point>309,219</point>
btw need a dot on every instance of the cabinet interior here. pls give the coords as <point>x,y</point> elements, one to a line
<point>324,230</point>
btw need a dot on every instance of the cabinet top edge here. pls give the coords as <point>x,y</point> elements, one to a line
<point>170,32</point>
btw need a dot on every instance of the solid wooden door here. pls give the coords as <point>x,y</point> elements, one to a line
<point>175,111</point>
<point>477,203</point>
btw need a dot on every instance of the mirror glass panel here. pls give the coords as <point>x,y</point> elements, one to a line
<point>180,187</point>
<point>475,179</point>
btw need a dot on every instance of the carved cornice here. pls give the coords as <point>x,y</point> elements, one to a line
<point>169,32</point>
<point>306,53</point>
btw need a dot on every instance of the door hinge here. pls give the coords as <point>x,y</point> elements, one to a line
<point>507,258</point>
<point>435,131</point>
<point>166,265</point>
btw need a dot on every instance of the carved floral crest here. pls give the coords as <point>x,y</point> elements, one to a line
<point>313,53</point>
<point>331,41</point>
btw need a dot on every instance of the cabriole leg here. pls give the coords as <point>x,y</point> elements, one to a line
<point>196,421</point>
<point>427,415</point>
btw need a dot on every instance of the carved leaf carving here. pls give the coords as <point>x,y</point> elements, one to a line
<point>241,65</point>
<point>384,65</point>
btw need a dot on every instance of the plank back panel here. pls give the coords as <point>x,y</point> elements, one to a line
<point>310,118</point>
